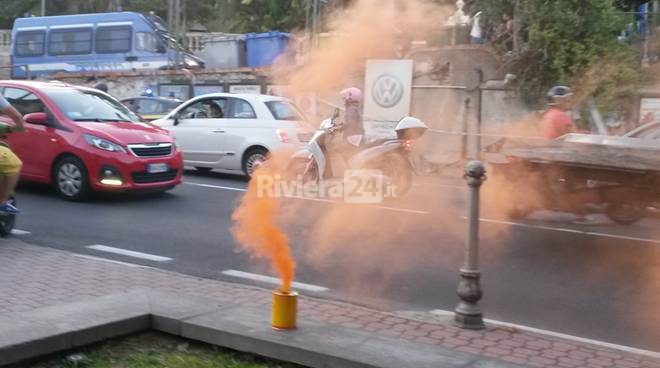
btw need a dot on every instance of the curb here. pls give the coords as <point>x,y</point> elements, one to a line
<point>29,335</point>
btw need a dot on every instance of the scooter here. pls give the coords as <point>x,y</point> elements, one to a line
<point>390,157</point>
<point>7,220</point>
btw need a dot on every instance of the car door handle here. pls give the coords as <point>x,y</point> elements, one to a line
<point>218,131</point>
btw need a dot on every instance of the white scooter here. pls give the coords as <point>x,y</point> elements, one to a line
<point>391,157</point>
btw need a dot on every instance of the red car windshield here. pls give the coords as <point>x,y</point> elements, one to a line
<point>81,105</point>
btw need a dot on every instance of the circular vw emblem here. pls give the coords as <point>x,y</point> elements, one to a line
<point>387,91</point>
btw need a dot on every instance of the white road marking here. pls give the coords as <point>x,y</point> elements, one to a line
<point>111,261</point>
<point>419,212</point>
<point>583,340</point>
<point>20,232</point>
<point>567,230</point>
<point>273,280</point>
<point>216,186</point>
<point>129,253</point>
<point>397,209</point>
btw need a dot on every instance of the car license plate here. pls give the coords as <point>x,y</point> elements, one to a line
<point>157,168</point>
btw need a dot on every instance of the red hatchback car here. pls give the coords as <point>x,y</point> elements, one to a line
<point>81,140</point>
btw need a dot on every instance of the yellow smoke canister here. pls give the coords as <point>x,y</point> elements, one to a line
<point>285,310</point>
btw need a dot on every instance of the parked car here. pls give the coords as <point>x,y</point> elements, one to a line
<point>82,140</point>
<point>235,132</point>
<point>151,108</point>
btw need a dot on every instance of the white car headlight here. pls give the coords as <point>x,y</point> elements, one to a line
<point>103,144</point>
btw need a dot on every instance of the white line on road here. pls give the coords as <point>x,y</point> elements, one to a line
<point>216,187</point>
<point>20,232</point>
<point>566,230</point>
<point>129,253</point>
<point>627,349</point>
<point>111,261</point>
<point>419,212</point>
<point>396,209</point>
<point>273,280</point>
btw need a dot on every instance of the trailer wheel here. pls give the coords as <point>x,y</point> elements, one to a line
<point>626,213</point>
<point>519,211</point>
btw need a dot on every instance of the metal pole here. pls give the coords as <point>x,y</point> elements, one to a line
<point>43,8</point>
<point>468,313</point>
<point>465,128</point>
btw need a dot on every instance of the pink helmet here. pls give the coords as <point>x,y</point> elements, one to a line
<point>351,94</point>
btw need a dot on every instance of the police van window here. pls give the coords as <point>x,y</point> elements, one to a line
<point>24,101</point>
<point>70,41</point>
<point>113,39</point>
<point>30,43</point>
<point>146,41</point>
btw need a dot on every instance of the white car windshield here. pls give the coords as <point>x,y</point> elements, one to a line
<point>81,105</point>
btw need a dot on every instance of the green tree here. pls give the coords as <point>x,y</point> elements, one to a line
<point>259,15</point>
<point>562,41</point>
<point>15,9</point>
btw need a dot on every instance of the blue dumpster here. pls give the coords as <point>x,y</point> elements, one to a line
<point>264,48</point>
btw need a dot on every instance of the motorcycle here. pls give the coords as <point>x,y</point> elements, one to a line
<point>7,220</point>
<point>327,152</point>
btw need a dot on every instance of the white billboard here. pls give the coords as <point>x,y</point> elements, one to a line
<point>388,90</point>
<point>245,88</point>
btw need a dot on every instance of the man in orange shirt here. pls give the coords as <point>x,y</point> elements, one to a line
<point>556,121</point>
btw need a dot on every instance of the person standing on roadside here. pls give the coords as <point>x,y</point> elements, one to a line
<point>10,164</point>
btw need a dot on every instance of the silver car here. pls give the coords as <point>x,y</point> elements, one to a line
<point>234,133</point>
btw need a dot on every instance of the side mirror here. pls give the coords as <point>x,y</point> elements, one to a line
<point>37,118</point>
<point>176,119</point>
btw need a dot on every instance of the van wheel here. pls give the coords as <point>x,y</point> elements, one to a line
<point>70,179</point>
<point>253,159</point>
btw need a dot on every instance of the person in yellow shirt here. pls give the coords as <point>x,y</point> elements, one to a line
<point>10,164</point>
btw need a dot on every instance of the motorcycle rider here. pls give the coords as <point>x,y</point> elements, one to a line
<point>10,164</point>
<point>353,123</point>
<point>556,121</point>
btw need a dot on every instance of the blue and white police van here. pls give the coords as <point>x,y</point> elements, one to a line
<point>122,41</point>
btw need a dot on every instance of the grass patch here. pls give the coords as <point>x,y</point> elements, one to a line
<point>155,350</point>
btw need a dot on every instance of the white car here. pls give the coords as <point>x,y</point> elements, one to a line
<point>234,132</point>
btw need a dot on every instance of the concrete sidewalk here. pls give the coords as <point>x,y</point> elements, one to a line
<point>52,300</point>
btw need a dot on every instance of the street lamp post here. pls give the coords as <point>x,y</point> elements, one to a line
<point>468,313</point>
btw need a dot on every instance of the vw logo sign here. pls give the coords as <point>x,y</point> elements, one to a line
<point>387,90</point>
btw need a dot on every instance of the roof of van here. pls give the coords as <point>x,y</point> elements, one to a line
<point>76,19</point>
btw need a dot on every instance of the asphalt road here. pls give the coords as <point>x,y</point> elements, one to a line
<point>599,281</point>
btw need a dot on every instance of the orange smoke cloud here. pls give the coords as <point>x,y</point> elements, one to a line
<point>369,29</point>
<point>257,231</point>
